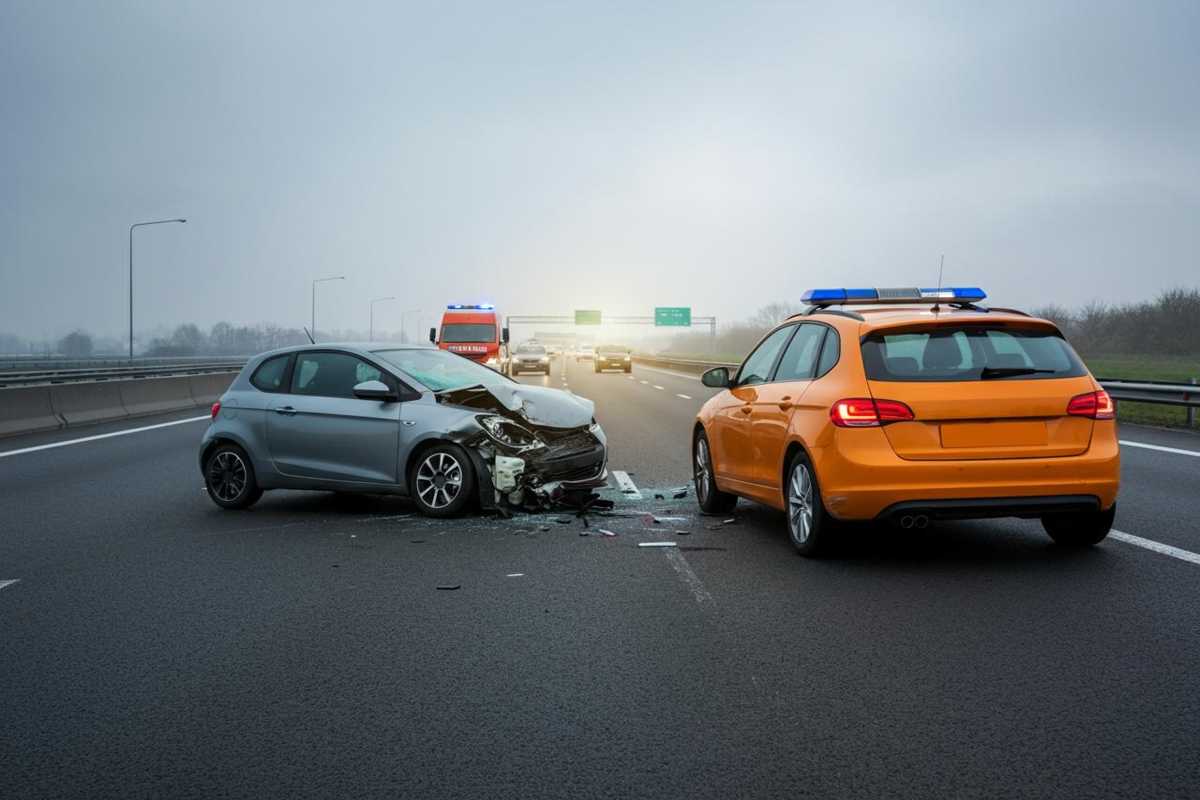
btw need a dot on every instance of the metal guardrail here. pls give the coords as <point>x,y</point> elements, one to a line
<point>1186,395</point>
<point>31,377</point>
<point>28,363</point>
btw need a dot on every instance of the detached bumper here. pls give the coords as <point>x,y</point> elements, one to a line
<point>862,479</point>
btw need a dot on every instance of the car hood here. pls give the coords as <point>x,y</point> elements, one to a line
<point>537,405</point>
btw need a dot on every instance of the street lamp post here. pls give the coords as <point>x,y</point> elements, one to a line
<point>371,335</point>
<point>313,322</point>
<point>131,227</point>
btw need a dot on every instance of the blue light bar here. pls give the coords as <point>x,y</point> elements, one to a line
<point>951,294</point>
<point>480,307</point>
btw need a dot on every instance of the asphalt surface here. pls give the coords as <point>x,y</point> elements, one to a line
<point>157,646</point>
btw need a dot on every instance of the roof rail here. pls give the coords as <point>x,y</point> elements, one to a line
<point>808,312</point>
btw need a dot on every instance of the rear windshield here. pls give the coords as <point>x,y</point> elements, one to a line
<point>532,349</point>
<point>468,332</point>
<point>612,348</point>
<point>968,353</point>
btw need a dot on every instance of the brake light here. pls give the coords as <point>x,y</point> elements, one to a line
<point>216,409</point>
<point>864,412</point>
<point>1096,405</point>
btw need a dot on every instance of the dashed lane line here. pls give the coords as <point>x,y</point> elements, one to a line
<point>684,396</point>
<point>626,485</point>
<point>644,383</point>
<point>1157,547</point>
<point>689,578</point>
<point>99,436</point>
<point>661,389</point>
<point>1176,450</point>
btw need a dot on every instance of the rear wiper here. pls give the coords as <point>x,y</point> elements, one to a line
<point>987,373</point>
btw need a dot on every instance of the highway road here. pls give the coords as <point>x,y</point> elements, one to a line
<point>153,645</point>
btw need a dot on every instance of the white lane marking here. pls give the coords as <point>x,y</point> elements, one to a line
<point>671,372</point>
<point>630,377</point>
<point>689,578</point>
<point>1158,547</point>
<point>1176,450</point>
<point>515,575</point>
<point>657,544</point>
<point>626,485</point>
<point>6,583</point>
<point>684,396</point>
<point>661,389</point>
<point>52,445</point>
<point>644,383</point>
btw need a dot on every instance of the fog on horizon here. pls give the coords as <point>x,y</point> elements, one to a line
<point>553,157</point>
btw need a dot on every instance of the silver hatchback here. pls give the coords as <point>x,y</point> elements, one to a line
<point>406,420</point>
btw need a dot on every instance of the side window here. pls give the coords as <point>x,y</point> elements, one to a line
<point>757,366</point>
<point>831,351</point>
<point>331,374</point>
<point>800,359</point>
<point>271,375</point>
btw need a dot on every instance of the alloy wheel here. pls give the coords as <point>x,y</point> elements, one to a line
<point>703,472</point>
<point>800,503</point>
<point>439,480</point>
<point>227,475</point>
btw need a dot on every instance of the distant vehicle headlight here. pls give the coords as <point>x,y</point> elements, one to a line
<point>508,432</point>
<point>545,359</point>
<point>491,362</point>
<point>627,356</point>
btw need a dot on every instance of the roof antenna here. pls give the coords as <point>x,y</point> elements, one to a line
<point>309,335</point>
<point>938,290</point>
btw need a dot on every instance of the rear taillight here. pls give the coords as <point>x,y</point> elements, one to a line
<point>216,409</point>
<point>864,412</point>
<point>1096,405</point>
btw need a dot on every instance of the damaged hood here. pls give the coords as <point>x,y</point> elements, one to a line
<point>537,405</point>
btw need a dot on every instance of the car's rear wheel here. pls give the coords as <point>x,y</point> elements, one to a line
<point>1080,529</point>
<point>810,527</point>
<point>229,477</point>
<point>712,500</point>
<point>442,481</point>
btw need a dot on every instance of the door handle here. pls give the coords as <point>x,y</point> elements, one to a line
<point>785,402</point>
<point>286,410</point>
<point>746,409</point>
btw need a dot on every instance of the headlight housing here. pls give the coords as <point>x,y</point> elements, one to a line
<point>508,432</point>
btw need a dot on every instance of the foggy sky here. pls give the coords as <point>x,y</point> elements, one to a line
<point>548,157</point>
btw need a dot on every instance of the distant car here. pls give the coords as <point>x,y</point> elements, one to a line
<point>909,405</point>
<point>530,358</point>
<point>407,420</point>
<point>584,353</point>
<point>613,356</point>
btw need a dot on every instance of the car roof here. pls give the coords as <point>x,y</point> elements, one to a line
<point>361,348</point>
<point>868,318</point>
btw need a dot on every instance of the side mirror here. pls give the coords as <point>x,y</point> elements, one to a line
<point>717,377</point>
<point>433,335</point>
<point>504,335</point>
<point>374,390</point>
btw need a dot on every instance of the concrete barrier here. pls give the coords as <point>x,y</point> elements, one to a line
<point>80,403</point>
<point>26,409</point>
<point>155,395</point>
<point>207,388</point>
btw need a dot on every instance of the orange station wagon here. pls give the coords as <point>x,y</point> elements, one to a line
<point>908,405</point>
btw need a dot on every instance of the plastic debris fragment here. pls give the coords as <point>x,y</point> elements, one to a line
<point>657,544</point>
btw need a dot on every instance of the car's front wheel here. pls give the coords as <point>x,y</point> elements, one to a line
<point>712,500</point>
<point>809,525</point>
<point>442,481</point>
<point>1080,529</point>
<point>229,477</point>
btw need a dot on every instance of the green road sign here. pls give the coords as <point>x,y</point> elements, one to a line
<point>672,316</point>
<point>587,317</point>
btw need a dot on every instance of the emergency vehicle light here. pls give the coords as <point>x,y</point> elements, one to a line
<point>952,294</point>
<point>481,307</point>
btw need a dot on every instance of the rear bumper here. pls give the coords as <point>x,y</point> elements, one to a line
<point>862,478</point>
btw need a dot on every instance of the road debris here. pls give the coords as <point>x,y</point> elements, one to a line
<point>683,533</point>
<point>657,544</point>
<point>605,532</point>
<point>515,575</point>
<point>449,587</point>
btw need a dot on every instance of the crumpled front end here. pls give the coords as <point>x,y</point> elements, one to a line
<point>531,464</point>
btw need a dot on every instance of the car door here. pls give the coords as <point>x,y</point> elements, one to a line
<point>778,399</point>
<point>733,454</point>
<point>321,431</point>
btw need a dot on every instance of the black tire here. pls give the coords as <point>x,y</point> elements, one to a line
<point>512,373</point>
<point>1081,529</point>
<point>434,497</point>
<point>596,369</point>
<point>229,477</point>
<point>810,526</point>
<point>712,500</point>
<point>628,370</point>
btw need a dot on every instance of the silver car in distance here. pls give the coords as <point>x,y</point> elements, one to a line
<point>407,420</point>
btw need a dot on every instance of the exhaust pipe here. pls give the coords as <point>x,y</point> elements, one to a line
<point>907,521</point>
<point>920,521</point>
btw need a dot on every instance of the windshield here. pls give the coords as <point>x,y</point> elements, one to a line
<point>468,332</point>
<point>612,348</point>
<point>968,353</point>
<point>441,370</point>
<point>532,349</point>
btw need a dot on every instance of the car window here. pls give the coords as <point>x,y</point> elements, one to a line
<point>440,370</point>
<point>331,374</point>
<point>532,349</point>
<point>969,353</point>
<point>800,358</point>
<point>457,332</point>
<point>831,351</point>
<point>271,375</point>
<point>757,366</point>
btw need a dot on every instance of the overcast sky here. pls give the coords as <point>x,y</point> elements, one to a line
<point>557,156</point>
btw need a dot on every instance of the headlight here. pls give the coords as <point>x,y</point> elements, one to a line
<point>508,432</point>
<point>545,359</point>
<point>627,358</point>
<point>491,362</point>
